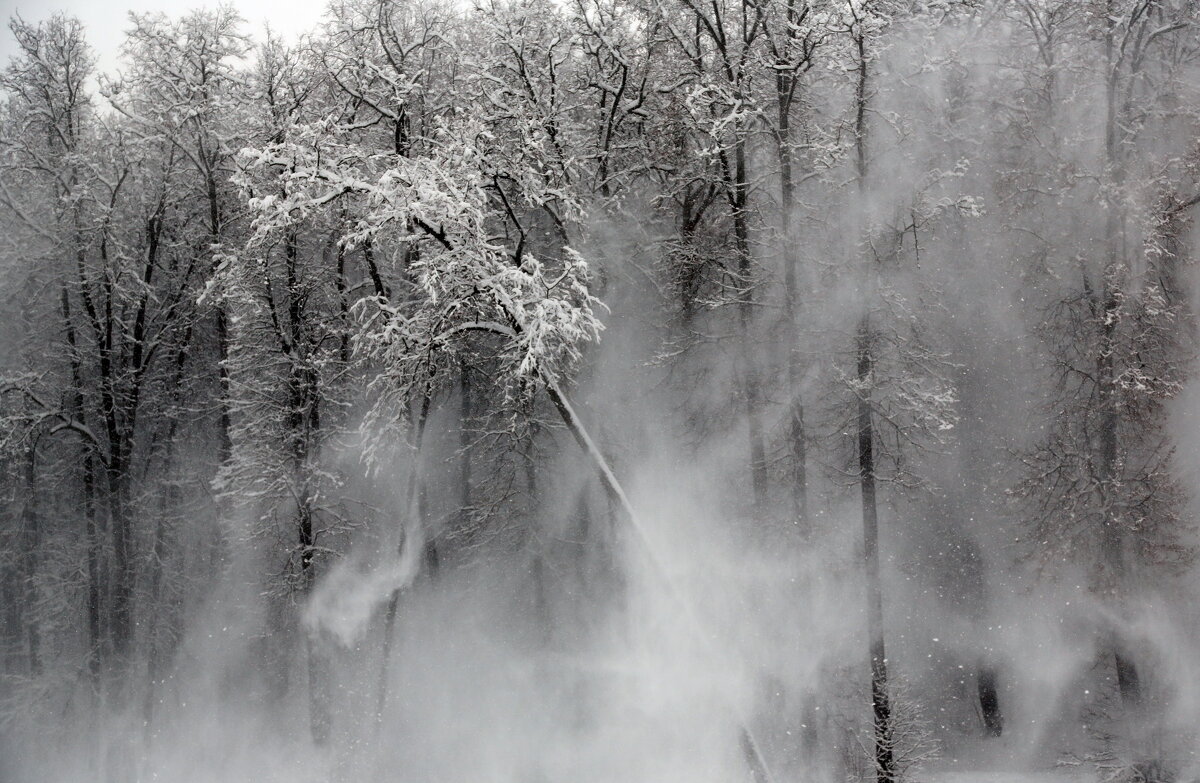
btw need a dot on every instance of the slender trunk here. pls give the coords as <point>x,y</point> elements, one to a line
<point>373,269</point>
<point>98,308</point>
<point>31,534</point>
<point>1112,536</point>
<point>224,421</point>
<point>344,320</point>
<point>537,568</point>
<point>303,431</point>
<point>225,441</point>
<point>989,699</point>
<point>785,90</point>
<point>880,703</point>
<point>741,230</point>
<point>123,578</point>
<point>881,708</point>
<point>95,573</point>
<point>689,276</point>
<point>95,569</point>
<point>113,414</point>
<point>155,656</point>
<point>464,439</point>
<point>974,463</point>
<point>319,696</point>
<point>413,507</point>
<point>169,503</point>
<point>13,598</point>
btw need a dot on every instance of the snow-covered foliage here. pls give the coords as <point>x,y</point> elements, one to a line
<point>436,218</point>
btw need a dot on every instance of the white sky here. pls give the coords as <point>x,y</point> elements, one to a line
<point>106,20</point>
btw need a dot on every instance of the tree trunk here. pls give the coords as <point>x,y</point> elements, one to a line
<point>741,229</point>
<point>464,439</point>
<point>12,594</point>
<point>161,618</point>
<point>169,502</point>
<point>542,610</point>
<point>413,507</point>
<point>215,228</point>
<point>31,535</point>
<point>989,700</point>
<point>95,570</point>
<point>113,409</point>
<point>785,85</point>
<point>154,654</point>
<point>95,565</point>
<point>880,704</point>
<point>881,709</point>
<point>1112,536</point>
<point>121,604</point>
<point>304,432</point>
<point>345,322</point>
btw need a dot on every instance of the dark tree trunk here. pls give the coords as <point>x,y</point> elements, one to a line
<point>741,229</point>
<point>785,86</point>
<point>221,323</point>
<point>13,596</point>
<point>160,621</point>
<point>465,423</point>
<point>95,573</point>
<point>115,414</point>
<point>303,431</point>
<point>881,709</point>
<point>1112,537</point>
<point>31,544</point>
<point>344,321</point>
<point>94,535</point>
<point>154,657</point>
<point>880,704</point>
<point>123,570</point>
<point>989,700</point>
<point>413,506</point>
<point>543,621</point>
<point>163,619</point>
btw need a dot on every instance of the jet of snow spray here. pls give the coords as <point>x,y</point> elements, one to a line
<point>749,745</point>
<point>348,597</point>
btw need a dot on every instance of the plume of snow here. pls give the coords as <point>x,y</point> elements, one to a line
<point>343,602</point>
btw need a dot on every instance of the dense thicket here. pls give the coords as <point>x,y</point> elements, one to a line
<point>433,295</point>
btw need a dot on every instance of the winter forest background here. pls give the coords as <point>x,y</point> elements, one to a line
<point>603,390</point>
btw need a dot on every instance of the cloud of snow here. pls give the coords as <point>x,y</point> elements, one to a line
<point>346,599</point>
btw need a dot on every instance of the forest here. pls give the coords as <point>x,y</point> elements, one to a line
<point>603,391</point>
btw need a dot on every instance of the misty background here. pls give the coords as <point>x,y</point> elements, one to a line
<point>604,390</point>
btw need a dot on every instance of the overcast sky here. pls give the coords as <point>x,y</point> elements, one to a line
<point>106,20</point>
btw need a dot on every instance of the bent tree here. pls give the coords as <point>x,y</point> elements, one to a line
<point>458,218</point>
